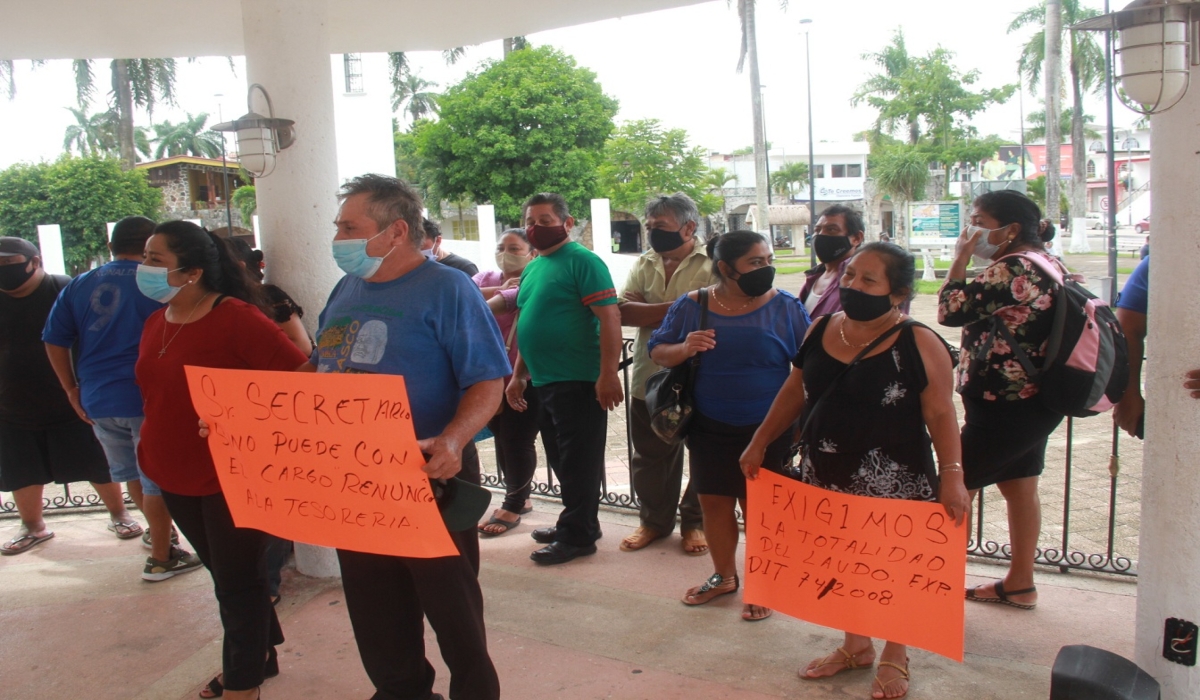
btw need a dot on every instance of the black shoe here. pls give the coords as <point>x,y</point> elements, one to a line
<point>561,553</point>
<point>544,535</point>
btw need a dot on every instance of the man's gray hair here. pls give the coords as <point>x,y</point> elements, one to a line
<point>678,205</point>
<point>389,199</point>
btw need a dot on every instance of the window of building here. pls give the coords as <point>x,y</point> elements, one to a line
<point>854,170</point>
<point>354,77</point>
<point>839,171</point>
<point>465,230</point>
<point>1091,168</point>
<point>819,171</point>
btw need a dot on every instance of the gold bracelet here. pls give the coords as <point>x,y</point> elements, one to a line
<point>952,467</point>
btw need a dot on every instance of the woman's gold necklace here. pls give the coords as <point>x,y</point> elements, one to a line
<point>185,321</point>
<point>732,311</point>
<point>847,343</point>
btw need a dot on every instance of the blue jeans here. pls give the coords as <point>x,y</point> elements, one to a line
<point>120,437</point>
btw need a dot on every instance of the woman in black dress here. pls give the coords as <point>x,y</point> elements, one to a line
<point>871,434</point>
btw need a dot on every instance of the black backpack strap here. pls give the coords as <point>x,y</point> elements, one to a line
<point>702,297</point>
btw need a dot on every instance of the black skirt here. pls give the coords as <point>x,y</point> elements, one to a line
<point>61,454</point>
<point>1005,440</point>
<point>714,449</point>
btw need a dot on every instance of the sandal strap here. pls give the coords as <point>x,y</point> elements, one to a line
<point>848,661</point>
<point>1003,594</point>
<point>716,581</point>
<point>902,669</point>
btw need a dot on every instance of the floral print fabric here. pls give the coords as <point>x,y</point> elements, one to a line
<point>1011,291</point>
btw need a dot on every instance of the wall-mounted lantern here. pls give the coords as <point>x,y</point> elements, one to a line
<point>259,138</point>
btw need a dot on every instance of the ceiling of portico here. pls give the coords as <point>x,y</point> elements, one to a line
<point>50,29</point>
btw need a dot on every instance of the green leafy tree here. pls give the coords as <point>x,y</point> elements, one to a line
<point>879,89</point>
<point>78,194</point>
<point>136,82</point>
<point>1037,126</point>
<point>188,137</point>
<point>902,172</point>
<point>790,177</point>
<point>1085,65</point>
<point>514,43</point>
<point>246,200</point>
<point>715,182</point>
<point>642,160</point>
<point>415,97</point>
<point>1036,189</point>
<point>533,122</point>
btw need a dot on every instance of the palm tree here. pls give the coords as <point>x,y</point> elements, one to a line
<point>1086,65</point>
<point>400,69</point>
<point>902,172</point>
<point>1037,126</point>
<point>93,135</point>
<point>415,97</point>
<point>893,61</point>
<point>749,53</point>
<point>794,173</point>
<point>188,137</point>
<point>6,77</point>
<point>140,82</point>
<point>714,182</point>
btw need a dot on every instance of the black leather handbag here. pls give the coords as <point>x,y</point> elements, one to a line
<point>669,391</point>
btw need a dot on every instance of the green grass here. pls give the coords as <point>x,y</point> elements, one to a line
<point>790,269</point>
<point>928,286</point>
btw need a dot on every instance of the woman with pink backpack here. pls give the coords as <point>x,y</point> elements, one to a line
<point>1011,303</point>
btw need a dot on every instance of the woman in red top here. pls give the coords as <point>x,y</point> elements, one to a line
<point>213,318</point>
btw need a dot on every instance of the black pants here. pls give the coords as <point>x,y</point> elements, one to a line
<point>657,473</point>
<point>574,428</point>
<point>516,455</point>
<point>236,559</point>
<point>387,597</point>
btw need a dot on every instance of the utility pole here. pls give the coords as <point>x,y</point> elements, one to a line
<point>1053,69</point>
<point>812,172</point>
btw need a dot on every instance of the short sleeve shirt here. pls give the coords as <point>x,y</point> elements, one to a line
<point>430,325</point>
<point>1135,296</point>
<point>648,277</point>
<point>557,331</point>
<point>104,312</point>
<point>234,335</point>
<point>30,394</point>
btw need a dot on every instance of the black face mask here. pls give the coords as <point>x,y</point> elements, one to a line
<point>14,275</point>
<point>831,248</point>
<point>665,241</point>
<point>756,282</point>
<point>860,306</point>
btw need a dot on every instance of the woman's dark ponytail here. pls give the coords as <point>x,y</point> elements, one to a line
<point>197,248</point>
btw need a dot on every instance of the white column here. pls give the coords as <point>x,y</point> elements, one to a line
<point>364,119</point>
<point>1169,559</point>
<point>1079,236</point>
<point>287,52</point>
<point>51,247</point>
<point>485,214</point>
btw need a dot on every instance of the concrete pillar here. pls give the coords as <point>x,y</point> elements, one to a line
<point>287,52</point>
<point>51,247</point>
<point>485,215</point>
<point>1169,557</point>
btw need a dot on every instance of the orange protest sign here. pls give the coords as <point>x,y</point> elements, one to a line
<point>327,459</point>
<point>885,568</point>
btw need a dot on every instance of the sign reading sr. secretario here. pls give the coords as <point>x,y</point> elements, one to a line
<point>885,568</point>
<point>326,459</point>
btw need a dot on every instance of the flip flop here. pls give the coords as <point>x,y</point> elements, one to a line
<point>23,543</point>
<point>902,677</point>
<point>848,662</point>
<point>1002,596</point>
<point>502,523</point>
<point>125,529</point>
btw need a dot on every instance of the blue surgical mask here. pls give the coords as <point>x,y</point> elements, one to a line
<point>152,281</point>
<point>429,254</point>
<point>351,256</point>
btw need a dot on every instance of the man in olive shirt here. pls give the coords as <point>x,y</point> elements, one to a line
<point>675,266</point>
<point>569,333</point>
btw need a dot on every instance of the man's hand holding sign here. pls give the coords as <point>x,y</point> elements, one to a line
<point>327,459</point>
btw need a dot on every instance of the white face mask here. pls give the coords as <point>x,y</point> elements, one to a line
<point>985,250</point>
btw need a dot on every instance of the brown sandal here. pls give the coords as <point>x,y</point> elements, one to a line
<point>902,677</point>
<point>847,663</point>
<point>716,585</point>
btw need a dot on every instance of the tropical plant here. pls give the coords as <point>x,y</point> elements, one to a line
<point>515,43</point>
<point>399,69</point>
<point>1085,63</point>
<point>642,160</point>
<point>137,82</point>
<point>91,134</point>
<point>902,172</point>
<point>415,97</point>
<point>894,62</point>
<point>246,200</point>
<point>715,181</point>
<point>188,137</point>
<point>789,175</point>
<point>1037,126</point>
<point>6,78</point>
<point>78,194</point>
<point>534,122</point>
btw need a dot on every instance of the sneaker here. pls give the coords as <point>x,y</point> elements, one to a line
<point>181,562</point>
<point>148,545</point>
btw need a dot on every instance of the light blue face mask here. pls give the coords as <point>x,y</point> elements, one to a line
<point>351,256</point>
<point>152,281</point>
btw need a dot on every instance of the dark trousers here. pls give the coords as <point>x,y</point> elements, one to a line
<point>516,455</point>
<point>236,559</point>
<point>387,597</point>
<point>657,473</point>
<point>574,428</point>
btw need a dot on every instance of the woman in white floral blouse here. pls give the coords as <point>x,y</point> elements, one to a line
<point>1004,439</point>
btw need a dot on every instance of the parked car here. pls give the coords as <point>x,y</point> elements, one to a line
<point>1097,221</point>
<point>1142,226</point>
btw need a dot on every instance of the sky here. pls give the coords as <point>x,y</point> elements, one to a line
<point>677,66</point>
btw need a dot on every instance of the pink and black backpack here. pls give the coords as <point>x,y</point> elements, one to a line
<point>1087,358</point>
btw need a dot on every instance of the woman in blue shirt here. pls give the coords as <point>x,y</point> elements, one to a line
<point>753,332</point>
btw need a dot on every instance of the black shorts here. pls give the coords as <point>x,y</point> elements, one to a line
<point>61,454</point>
<point>714,449</point>
<point>1005,440</point>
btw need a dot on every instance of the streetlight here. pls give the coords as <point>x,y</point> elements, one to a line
<point>812,172</point>
<point>225,171</point>
<point>762,107</point>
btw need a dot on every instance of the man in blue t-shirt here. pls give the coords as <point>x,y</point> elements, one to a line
<point>101,314</point>
<point>1132,304</point>
<point>397,313</point>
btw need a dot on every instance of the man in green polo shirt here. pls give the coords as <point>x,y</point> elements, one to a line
<point>675,266</point>
<point>569,333</point>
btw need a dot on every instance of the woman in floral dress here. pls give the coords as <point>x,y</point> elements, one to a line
<point>1004,439</point>
<point>868,430</point>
